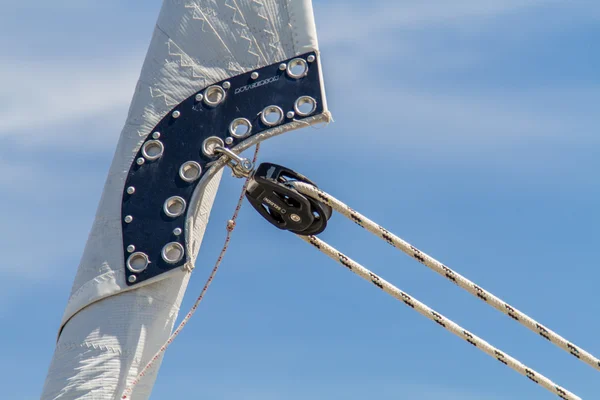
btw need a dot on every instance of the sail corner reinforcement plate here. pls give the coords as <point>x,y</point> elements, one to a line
<point>175,155</point>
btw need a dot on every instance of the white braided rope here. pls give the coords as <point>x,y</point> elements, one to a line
<point>439,319</point>
<point>448,273</point>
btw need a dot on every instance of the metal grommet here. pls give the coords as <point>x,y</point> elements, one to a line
<point>271,115</point>
<point>297,68</point>
<point>305,105</point>
<point>214,95</point>
<point>174,206</point>
<point>240,128</point>
<point>153,150</point>
<point>137,262</point>
<point>209,145</point>
<point>190,171</point>
<point>172,252</point>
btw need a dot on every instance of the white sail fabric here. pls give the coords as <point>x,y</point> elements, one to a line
<point>110,331</point>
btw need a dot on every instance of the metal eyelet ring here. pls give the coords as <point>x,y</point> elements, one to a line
<point>209,145</point>
<point>172,252</point>
<point>153,150</point>
<point>240,128</point>
<point>305,105</point>
<point>272,115</point>
<point>137,262</point>
<point>297,68</point>
<point>190,171</point>
<point>214,95</point>
<point>174,206</point>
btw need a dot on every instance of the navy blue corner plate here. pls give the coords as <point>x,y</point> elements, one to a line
<point>171,161</point>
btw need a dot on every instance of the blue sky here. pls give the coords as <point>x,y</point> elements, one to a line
<point>468,128</point>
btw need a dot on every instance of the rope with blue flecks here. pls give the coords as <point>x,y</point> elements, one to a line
<point>230,227</point>
<point>440,319</point>
<point>449,274</point>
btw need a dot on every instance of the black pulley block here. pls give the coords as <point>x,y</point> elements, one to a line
<point>271,193</point>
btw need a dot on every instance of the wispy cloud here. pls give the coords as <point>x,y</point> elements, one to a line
<point>81,103</point>
<point>429,92</point>
<point>14,172</point>
<point>341,23</point>
<point>53,5</point>
<point>477,119</point>
<point>45,216</point>
<point>39,95</point>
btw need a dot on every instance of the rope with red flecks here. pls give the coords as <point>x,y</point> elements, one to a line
<point>230,227</point>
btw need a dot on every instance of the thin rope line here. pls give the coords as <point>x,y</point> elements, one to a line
<point>449,274</point>
<point>444,322</point>
<point>230,227</point>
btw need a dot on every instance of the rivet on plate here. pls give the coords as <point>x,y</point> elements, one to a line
<point>128,219</point>
<point>176,114</point>
<point>132,278</point>
<point>130,248</point>
<point>282,66</point>
<point>177,231</point>
<point>254,75</point>
<point>130,190</point>
<point>156,135</point>
<point>140,161</point>
<point>229,140</point>
<point>311,58</point>
<point>290,114</point>
<point>226,85</point>
<point>199,97</point>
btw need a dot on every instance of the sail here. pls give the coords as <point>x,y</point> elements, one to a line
<point>119,314</point>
